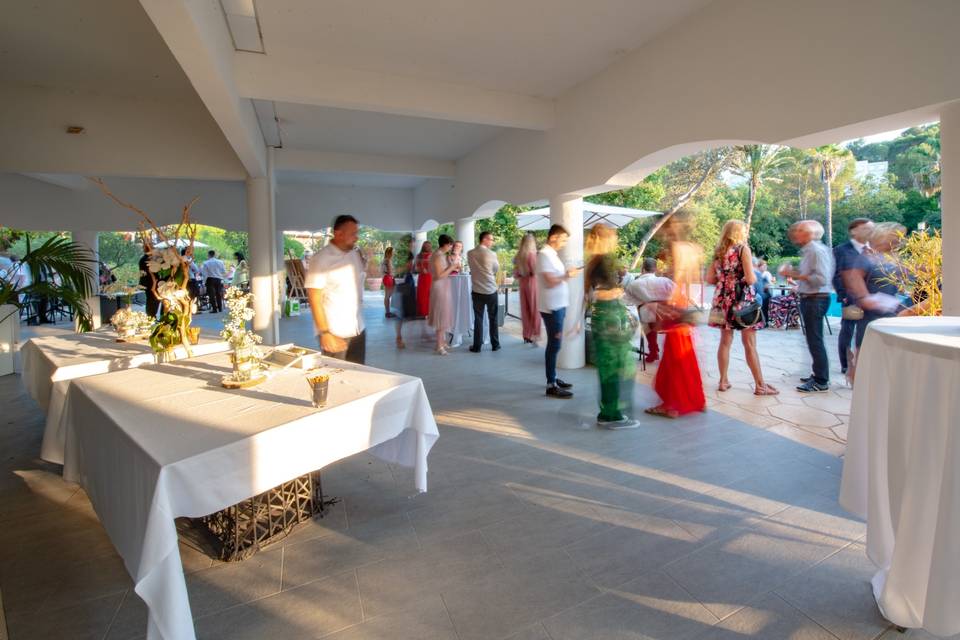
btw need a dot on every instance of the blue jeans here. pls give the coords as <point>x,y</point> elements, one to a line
<point>813,309</point>
<point>553,322</point>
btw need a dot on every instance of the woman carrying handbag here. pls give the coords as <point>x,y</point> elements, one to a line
<point>734,306</point>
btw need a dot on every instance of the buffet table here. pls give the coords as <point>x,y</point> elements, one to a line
<point>901,472</point>
<point>50,363</point>
<point>165,441</point>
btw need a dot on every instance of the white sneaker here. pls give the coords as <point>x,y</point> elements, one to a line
<point>626,422</point>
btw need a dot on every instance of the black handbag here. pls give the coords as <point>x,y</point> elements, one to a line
<point>744,315</point>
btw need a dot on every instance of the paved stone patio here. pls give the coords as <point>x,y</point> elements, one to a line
<point>537,526</point>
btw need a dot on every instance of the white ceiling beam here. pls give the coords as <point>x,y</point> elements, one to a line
<point>65,180</point>
<point>198,37</point>
<point>331,162</point>
<point>268,77</point>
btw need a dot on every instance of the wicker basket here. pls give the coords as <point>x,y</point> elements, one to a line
<point>240,531</point>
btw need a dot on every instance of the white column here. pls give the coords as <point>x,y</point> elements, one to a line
<point>466,233</point>
<point>419,237</point>
<point>262,239</point>
<point>567,210</point>
<point>281,278</point>
<point>950,205</point>
<point>91,240</point>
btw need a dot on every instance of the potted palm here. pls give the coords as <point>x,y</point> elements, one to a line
<point>58,268</point>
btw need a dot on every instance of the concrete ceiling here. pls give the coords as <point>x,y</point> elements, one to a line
<point>350,179</point>
<point>531,47</point>
<point>104,46</point>
<point>344,130</point>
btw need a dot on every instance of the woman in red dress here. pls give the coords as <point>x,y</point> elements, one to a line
<point>421,267</point>
<point>525,270</point>
<point>678,381</point>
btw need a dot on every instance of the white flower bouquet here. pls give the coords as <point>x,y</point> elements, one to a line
<point>246,356</point>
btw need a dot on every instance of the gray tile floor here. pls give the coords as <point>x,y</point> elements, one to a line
<point>537,526</point>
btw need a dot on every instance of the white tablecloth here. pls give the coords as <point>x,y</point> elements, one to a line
<point>165,441</point>
<point>51,362</point>
<point>462,300</point>
<point>902,468</point>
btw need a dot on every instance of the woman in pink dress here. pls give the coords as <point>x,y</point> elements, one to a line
<point>421,266</point>
<point>525,270</point>
<point>441,307</point>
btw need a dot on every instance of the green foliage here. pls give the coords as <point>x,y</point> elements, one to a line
<point>291,245</point>
<point>916,208</point>
<point>503,226</point>
<point>59,268</point>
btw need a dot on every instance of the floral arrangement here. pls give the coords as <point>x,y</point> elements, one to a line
<point>239,312</point>
<point>129,322</point>
<point>169,273</point>
<point>246,356</point>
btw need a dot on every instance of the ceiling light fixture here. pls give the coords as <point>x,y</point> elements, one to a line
<point>75,130</point>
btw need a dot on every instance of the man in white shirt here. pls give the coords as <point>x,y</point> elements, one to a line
<point>645,291</point>
<point>334,286</point>
<point>554,296</point>
<point>483,279</point>
<point>214,273</point>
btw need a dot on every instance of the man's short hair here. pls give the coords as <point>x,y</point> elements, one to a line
<point>211,253</point>
<point>484,235</point>
<point>342,220</point>
<point>857,222</point>
<point>557,229</point>
<point>649,265</point>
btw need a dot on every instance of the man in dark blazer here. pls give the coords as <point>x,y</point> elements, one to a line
<point>845,256</point>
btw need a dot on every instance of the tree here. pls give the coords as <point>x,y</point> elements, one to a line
<point>758,163</point>
<point>830,160</point>
<point>118,249</point>
<point>686,177</point>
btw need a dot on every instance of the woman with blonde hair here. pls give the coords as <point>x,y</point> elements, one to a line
<point>525,270</point>
<point>870,282</point>
<point>732,273</point>
<point>610,329</point>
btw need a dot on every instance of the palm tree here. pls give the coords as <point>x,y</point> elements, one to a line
<point>758,163</point>
<point>830,160</point>
<point>59,268</point>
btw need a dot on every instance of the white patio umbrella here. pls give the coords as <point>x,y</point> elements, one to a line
<point>182,243</point>
<point>539,219</point>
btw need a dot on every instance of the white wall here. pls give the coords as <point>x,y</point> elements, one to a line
<point>26,203</point>
<point>124,136</point>
<point>313,207</point>
<point>750,70</point>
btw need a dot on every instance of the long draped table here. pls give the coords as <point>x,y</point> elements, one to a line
<point>165,441</point>
<point>462,301</point>
<point>901,472</point>
<point>50,363</point>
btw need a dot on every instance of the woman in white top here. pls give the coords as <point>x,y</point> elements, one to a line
<point>241,273</point>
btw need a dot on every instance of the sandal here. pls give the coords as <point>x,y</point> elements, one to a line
<point>401,344</point>
<point>660,411</point>
<point>724,386</point>
<point>766,390</point>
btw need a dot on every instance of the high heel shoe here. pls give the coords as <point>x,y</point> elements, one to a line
<point>441,351</point>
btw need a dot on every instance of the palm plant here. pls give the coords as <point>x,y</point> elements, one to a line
<point>59,268</point>
<point>830,159</point>
<point>758,163</point>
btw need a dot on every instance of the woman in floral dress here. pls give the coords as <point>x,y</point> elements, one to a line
<point>733,266</point>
